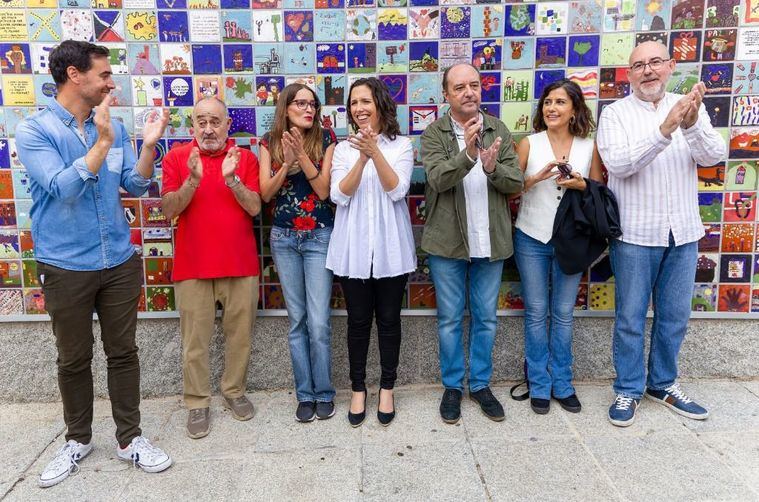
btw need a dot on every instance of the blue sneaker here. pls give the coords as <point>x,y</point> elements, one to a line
<point>674,397</point>
<point>622,410</point>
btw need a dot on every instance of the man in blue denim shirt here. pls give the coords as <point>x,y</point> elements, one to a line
<point>77,158</point>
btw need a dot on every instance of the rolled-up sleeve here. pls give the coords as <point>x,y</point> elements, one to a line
<point>47,168</point>
<point>403,166</point>
<point>339,170</point>
<point>131,179</point>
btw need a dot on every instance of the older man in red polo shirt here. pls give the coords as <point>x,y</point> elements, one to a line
<point>212,186</point>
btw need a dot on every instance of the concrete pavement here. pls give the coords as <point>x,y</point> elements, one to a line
<point>559,456</point>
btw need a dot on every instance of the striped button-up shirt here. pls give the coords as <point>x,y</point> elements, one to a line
<point>655,178</point>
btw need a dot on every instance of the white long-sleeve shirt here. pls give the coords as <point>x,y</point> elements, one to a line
<point>372,235</point>
<point>655,178</point>
<point>476,196</point>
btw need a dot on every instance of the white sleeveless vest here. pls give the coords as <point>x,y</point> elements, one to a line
<point>539,204</point>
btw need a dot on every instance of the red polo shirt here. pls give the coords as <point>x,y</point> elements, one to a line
<point>214,234</point>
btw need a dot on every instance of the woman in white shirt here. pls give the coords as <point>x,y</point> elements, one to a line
<point>372,250</point>
<point>563,123</point>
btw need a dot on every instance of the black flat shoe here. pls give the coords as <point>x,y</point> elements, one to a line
<point>356,419</point>
<point>570,403</point>
<point>386,418</point>
<point>540,406</point>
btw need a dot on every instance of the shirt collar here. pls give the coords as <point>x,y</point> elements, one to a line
<point>648,105</point>
<point>64,115</point>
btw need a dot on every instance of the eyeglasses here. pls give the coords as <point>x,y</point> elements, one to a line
<point>655,65</point>
<point>304,104</point>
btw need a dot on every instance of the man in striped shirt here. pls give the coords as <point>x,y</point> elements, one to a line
<point>651,142</point>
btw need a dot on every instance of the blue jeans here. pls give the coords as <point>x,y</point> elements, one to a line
<point>300,257</point>
<point>548,353</point>
<point>450,278</point>
<point>640,271</point>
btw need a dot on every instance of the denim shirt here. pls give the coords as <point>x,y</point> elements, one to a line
<point>78,221</point>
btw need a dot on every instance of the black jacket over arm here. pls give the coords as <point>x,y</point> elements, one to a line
<point>584,223</point>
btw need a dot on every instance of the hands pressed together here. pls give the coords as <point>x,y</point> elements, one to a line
<point>292,149</point>
<point>474,145</point>
<point>365,141</point>
<point>685,112</point>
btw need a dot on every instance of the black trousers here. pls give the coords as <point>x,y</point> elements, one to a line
<point>381,299</point>
<point>70,299</point>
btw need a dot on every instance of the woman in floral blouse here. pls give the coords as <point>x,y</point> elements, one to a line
<point>291,158</point>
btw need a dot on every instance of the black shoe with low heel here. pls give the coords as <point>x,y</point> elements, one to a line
<point>570,403</point>
<point>356,419</point>
<point>386,418</point>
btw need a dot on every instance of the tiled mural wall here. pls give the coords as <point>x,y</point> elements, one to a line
<point>170,52</point>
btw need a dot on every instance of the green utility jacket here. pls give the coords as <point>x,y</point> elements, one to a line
<point>445,232</point>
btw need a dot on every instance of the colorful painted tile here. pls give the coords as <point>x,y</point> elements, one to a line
<point>398,87</point>
<point>424,23</point>
<point>455,22</point>
<point>583,50</point>
<point>653,15</point>
<point>392,57</point>
<point>551,18</point>
<point>519,20</point>
<point>550,52</point>
<point>299,25</point>
<point>585,16</point>
<point>486,54</point>
<point>423,56</point>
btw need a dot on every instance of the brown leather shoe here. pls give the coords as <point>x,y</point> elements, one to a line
<point>242,408</point>
<point>198,422</point>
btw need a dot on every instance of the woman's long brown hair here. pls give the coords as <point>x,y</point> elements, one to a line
<point>312,138</point>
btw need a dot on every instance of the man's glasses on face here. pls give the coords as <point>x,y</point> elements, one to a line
<point>304,104</point>
<point>655,64</point>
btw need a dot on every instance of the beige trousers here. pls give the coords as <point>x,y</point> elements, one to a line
<point>196,299</point>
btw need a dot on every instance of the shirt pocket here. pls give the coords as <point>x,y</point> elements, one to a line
<point>115,159</point>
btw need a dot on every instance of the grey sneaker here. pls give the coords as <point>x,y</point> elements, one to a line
<point>241,407</point>
<point>198,422</point>
<point>306,411</point>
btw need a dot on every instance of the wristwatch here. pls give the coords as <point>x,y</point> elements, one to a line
<point>234,183</point>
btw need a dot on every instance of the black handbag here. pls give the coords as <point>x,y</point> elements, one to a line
<point>524,395</point>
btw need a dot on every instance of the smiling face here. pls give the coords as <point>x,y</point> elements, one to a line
<point>302,118</point>
<point>649,84</point>
<point>557,109</point>
<point>363,108</point>
<point>94,84</point>
<point>210,124</point>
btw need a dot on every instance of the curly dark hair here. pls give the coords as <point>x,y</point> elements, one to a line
<point>386,107</point>
<point>583,122</point>
<point>73,53</point>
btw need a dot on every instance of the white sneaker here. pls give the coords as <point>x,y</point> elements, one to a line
<point>65,462</point>
<point>144,455</point>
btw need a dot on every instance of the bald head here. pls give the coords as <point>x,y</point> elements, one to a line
<point>211,103</point>
<point>651,49</point>
<point>210,124</point>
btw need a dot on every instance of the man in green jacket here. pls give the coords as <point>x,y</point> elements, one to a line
<point>471,170</point>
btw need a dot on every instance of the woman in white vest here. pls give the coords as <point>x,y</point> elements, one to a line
<point>557,158</point>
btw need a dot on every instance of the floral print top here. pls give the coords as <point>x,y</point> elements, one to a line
<point>296,205</point>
